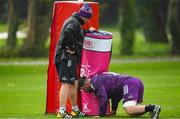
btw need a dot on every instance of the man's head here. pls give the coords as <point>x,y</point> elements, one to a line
<point>84,84</point>
<point>85,12</point>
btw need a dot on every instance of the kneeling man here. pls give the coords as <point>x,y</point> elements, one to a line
<point>116,87</point>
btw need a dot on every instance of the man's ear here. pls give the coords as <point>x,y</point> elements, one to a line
<point>86,84</point>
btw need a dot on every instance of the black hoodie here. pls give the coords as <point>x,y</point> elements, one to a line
<point>71,36</point>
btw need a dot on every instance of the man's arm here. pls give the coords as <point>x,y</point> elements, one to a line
<point>114,103</point>
<point>103,100</point>
<point>70,37</point>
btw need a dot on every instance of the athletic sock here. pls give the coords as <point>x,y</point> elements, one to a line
<point>75,108</point>
<point>62,110</point>
<point>149,108</point>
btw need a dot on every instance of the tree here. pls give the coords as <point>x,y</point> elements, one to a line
<point>39,12</point>
<point>108,11</point>
<point>174,26</point>
<point>152,15</point>
<point>13,22</point>
<point>127,27</point>
<point>3,11</point>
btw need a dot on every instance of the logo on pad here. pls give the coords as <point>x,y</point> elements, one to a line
<point>85,107</point>
<point>88,44</point>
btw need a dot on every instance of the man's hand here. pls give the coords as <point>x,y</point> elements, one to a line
<point>70,51</point>
<point>111,113</point>
<point>96,116</point>
<point>92,29</point>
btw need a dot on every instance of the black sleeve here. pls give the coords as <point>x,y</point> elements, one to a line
<point>86,31</point>
<point>69,33</point>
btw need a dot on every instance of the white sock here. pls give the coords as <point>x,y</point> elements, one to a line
<point>62,109</point>
<point>75,108</point>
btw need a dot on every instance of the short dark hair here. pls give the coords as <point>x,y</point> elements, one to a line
<point>81,81</point>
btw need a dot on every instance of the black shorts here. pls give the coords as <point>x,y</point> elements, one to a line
<point>67,71</point>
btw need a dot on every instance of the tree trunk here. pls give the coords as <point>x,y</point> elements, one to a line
<point>12,24</point>
<point>174,26</point>
<point>153,15</point>
<point>38,28</point>
<point>109,11</point>
<point>127,27</point>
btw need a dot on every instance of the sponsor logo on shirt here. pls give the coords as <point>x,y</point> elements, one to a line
<point>64,78</point>
<point>130,96</point>
<point>72,79</point>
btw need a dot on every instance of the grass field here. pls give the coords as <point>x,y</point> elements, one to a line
<point>23,88</point>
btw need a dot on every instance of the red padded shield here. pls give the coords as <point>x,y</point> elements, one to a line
<point>61,11</point>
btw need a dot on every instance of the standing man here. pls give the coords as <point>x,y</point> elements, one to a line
<point>116,87</point>
<point>67,58</point>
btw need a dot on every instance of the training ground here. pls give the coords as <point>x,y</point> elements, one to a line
<point>23,87</point>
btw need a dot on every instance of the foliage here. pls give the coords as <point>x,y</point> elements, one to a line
<point>174,26</point>
<point>152,17</point>
<point>3,11</point>
<point>149,17</point>
<point>3,27</point>
<point>106,9</point>
<point>141,47</point>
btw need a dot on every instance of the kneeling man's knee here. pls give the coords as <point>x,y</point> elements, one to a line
<point>130,110</point>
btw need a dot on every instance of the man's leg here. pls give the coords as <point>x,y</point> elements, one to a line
<point>139,110</point>
<point>73,96</point>
<point>63,94</point>
<point>133,90</point>
<point>136,110</point>
<point>63,73</point>
<point>63,97</point>
<point>73,90</point>
<point>73,93</point>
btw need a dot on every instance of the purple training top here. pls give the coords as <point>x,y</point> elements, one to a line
<point>110,85</point>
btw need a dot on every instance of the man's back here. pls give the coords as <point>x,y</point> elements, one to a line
<point>113,83</point>
<point>108,85</point>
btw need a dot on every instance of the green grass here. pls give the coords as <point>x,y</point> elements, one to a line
<point>19,42</point>
<point>143,48</point>
<point>161,80</point>
<point>23,88</point>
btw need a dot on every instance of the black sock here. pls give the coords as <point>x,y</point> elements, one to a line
<point>149,108</point>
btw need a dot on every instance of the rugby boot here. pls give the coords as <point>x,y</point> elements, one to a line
<point>64,115</point>
<point>77,114</point>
